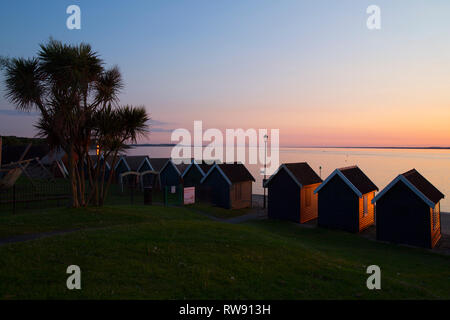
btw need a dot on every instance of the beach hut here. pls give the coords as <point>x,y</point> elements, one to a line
<point>345,200</point>
<point>94,158</point>
<point>291,193</point>
<point>195,172</point>
<point>230,185</point>
<point>171,173</point>
<point>158,163</point>
<point>139,163</point>
<point>121,166</point>
<point>408,211</point>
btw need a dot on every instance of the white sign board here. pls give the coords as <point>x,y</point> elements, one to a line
<point>189,195</point>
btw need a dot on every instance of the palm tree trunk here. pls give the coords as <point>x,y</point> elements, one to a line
<point>72,178</point>
<point>110,176</point>
<point>79,187</point>
<point>102,181</point>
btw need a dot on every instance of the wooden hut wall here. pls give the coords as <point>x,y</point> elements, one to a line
<point>219,189</point>
<point>241,195</point>
<point>338,206</point>
<point>309,203</point>
<point>402,217</point>
<point>284,198</point>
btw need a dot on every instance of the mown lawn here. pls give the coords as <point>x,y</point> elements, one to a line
<point>56,219</point>
<point>173,253</point>
<point>218,212</point>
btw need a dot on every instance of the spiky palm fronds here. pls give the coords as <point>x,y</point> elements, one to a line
<point>24,83</point>
<point>108,86</point>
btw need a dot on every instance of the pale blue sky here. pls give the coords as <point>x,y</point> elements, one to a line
<point>305,67</point>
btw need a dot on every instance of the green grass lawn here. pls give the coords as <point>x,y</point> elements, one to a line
<point>219,212</point>
<point>174,253</point>
<point>57,219</point>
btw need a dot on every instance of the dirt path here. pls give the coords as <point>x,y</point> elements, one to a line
<point>254,215</point>
<point>35,236</point>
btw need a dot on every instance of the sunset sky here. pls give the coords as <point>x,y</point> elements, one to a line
<point>309,68</point>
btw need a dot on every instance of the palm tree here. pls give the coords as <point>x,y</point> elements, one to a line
<point>70,87</point>
<point>113,129</point>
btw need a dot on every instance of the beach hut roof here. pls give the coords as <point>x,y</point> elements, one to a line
<point>182,167</point>
<point>94,160</point>
<point>232,172</point>
<point>122,159</point>
<point>110,158</point>
<point>136,162</point>
<point>158,163</point>
<point>418,184</point>
<point>179,167</point>
<point>202,166</point>
<point>205,167</point>
<point>354,178</point>
<point>300,172</point>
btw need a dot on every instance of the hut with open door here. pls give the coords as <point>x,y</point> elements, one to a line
<point>229,185</point>
<point>408,211</point>
<point>345,200</point>
<point>291,193</point>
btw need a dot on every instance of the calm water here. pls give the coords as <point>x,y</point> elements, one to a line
<point>381,165</point>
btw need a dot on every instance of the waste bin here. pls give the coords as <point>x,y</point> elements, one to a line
<point>148,195</point>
